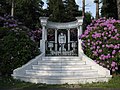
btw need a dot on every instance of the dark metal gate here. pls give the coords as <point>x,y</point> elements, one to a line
<point>61,49</point>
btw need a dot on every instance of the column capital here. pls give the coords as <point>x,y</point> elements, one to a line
<point>80,20</point>
<point>43,21</point>
<point>68,29</point>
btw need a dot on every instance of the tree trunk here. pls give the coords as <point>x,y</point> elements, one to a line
<point>97,9</point>
<point>118,7</point>
<point>12,9</point>
<point>83,8</point>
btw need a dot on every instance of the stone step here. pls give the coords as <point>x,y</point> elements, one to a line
<point>63,80</point>
<point>60,70</point>
<point>60,63</point>
<point>62,73</point>
<point>61,58</point>
<point>59,67</point>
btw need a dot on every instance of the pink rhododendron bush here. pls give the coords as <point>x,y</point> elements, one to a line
<point>101,42</point>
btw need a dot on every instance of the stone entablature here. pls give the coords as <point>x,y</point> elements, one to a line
<point>67,25</point>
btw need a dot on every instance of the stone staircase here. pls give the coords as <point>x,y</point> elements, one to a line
<point>60,70</point>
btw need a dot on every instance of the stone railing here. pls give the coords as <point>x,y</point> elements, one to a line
<point>101,70</point>
<point>22,70</point>
<point>63,49</point>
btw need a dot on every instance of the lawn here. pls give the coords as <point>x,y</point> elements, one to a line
<point>10,83</point>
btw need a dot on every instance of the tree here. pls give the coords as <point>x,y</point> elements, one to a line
<point>97,8</point>
<point>83,8</point>
<point>16,49</point>
<point>5,7</point>
<point>109,9</point>
<point>57,10</point>
<point>71,9</point>
<point>26,11</point>
<point>29,11</point>
<point>118,6</point>
<point>87,20</point>
<point>12,7</point>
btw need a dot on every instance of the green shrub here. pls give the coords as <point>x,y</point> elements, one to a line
<point>16,49</point>
<point>101,42</point>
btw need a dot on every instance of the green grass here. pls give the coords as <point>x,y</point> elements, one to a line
<point>10,83</point>
<point>113,83</point>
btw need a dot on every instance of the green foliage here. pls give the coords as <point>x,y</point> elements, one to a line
<point>87,20</point>
<point>5,7</point>
<point>16,49</point>
<point>3,32</point>
<point>27,11</point>
<point>57,10</point>
<point>71,9</point>
<point>60,11</point>
<point>109,9</point>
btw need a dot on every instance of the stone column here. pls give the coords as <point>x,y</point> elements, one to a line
<point>43,32</point>
<point>46,34</point>
<point>80,23</point>
<point>79,30</point>
<point>43,21</point>
<point>42,42</point>
<point>68,39</point>
<point>79,40</point>
<point>56,39</point>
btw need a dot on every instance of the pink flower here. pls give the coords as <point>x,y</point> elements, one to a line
<point>116,68</point>
<point>103,45</point>
<point>119,51</point>
<point>115,30</point>
<point>105,28</point>
<point>101,37</point>
<point>106,33</point>
<point>105,37</point>
<point>113,52</point>
<point>88,44</point>
<point>113,64</point>
<point>98,47</point>
<point>112,56</point>
<point>100,50</point>
<point>113,70</point>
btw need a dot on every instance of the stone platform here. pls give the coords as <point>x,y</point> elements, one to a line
<point>61,70</point>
